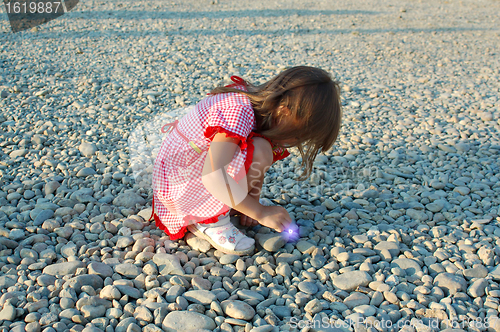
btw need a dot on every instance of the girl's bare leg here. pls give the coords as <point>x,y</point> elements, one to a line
<point>262,160</point>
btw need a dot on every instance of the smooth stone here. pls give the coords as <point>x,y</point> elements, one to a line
<point>308,287</point>
<point>462,147</point>
<point>92,301</point>
<point>409,265</point>
<point>143,314</point>
<point>86,171</point>
<point>439,231</point>
<point>204,297</point>
<point>87,149</point>
<point>45,280</point>
<point>17,234</point>
<point>314,306</point>
<point>92,328</point>
<point>129,200</point>
<point>476,272</point>
<point>8,243</point>
<point>35,306</point>
<point>228,259</point>
<point>284,269</point>
<point>299,201</point>
<point>360,238</point>
<point>18,153</point>
<point>197,243</point>
<point>118,176</point>
<point>8,313</point>
<point>135,225</point>
<point>436,206</point>
<point>237,309</point>
<point>63,211</point>
<point>90,312</point>
<point>48,318</point>
<point>129,291</point>
<point>366,310</point>
<point>477,288</point>
<point>219,271</point>
<point>263,328</point>
<point>249,295</point>
<point>330,204</point>
<point>83,195</point>
<point>271,242</point>
<point>38,139</point>
<point>124,241</point>
<point>110,293</point>
<point>79,281</point>
<point>29,194</point>
<point>356,299</point>
<point>128,270</point>
<point>486,116</point>
<point>450,283</point>
<point>370,193</point>
<point>349,281</point>
<point>495,273</point>
<point>417,215</point>
<point>168,264</point>
<point>318,261</point>
<point>47,206</point>
<point>286,258</point>
<point>393,247</point>
<point>100,269</point>
<point>201,283</point>
<point>305,247</point>
<point>63,268</point>
<point>69,313</point>
<point>282,311</point>
<point>14,196</point>
<point>400,205</point>
<point>68,250</point>
<point>51,187</point>
<point>145,213</point>
<point>462,190</point>
<point>42,216</point>
<point>124,324</point>
<point>177,321</point>
<point>352,206</point>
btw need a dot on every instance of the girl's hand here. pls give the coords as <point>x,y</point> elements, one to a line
<point>275,217</point>
<point>244,220</point>
<point>247,221</point>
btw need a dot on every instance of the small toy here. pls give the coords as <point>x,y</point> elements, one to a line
<point>291,233</point>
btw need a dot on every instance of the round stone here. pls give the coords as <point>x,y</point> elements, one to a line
<point>187,321</point>
<point>308,287</point>
<point>238,309</point>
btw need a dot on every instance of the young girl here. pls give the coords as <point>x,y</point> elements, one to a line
<point>213,162</point>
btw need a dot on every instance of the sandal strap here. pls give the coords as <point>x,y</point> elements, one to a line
<point>224,220</point>
<point>226,236</point>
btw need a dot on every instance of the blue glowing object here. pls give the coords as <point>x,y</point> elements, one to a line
<point>291,233</point>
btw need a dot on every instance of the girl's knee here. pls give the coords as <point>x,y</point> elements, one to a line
<point>263,152</point>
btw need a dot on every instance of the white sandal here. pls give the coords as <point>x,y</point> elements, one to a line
<point>224,236</point>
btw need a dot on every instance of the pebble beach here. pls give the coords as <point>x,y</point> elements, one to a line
<point>399,225</point>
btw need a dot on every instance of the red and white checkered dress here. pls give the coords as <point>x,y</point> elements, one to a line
<point>179,196</point>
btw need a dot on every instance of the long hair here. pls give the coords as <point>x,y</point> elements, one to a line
<point>310,96</point>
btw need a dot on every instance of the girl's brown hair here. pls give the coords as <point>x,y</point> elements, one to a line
<point>310,96</point>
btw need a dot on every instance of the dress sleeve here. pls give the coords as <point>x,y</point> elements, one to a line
<point>234,121</point>
<point>279,153</point>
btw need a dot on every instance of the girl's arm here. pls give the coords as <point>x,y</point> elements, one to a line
<point>221,185</point>
<point>225,189</point>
